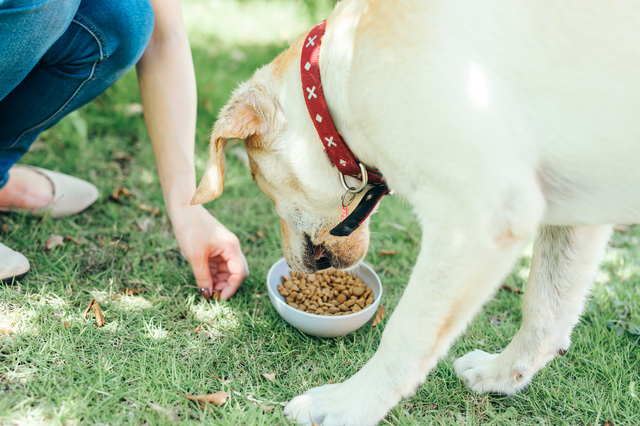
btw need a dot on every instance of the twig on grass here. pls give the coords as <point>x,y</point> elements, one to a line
<point>101,392</point>
<point>250,397</point>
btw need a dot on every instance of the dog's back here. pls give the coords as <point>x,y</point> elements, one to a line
<point>553,85</point>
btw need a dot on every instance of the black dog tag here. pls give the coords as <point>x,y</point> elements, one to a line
<point>361,212</point>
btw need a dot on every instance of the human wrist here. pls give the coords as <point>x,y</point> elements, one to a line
<point>177,192</point>
<point>177,205</point>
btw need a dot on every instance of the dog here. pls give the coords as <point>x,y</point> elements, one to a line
<point>499,122</point>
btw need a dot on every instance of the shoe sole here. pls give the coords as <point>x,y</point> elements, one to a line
<point>12,280</point>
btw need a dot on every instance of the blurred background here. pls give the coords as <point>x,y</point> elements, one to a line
<point>161,339</point>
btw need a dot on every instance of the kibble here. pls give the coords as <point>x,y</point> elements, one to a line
<point>330,292</point>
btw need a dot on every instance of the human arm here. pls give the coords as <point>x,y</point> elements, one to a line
<point>168,91</point>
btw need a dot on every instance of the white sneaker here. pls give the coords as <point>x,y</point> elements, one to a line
<point>13,265</point>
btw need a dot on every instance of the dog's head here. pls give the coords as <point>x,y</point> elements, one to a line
<point>287,161</point>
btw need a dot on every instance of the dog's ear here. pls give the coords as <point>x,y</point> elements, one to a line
<point>247,114</point>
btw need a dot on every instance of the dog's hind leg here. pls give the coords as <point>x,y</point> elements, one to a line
<point>563,265</point>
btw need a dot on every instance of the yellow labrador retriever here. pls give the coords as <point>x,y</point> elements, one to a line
<point>499,121</point>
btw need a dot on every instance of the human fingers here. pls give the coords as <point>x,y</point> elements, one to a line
<point>203,276</point>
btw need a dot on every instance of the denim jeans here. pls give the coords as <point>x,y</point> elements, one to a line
<point>58,55</point>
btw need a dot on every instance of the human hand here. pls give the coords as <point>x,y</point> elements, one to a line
<point>212,251</point>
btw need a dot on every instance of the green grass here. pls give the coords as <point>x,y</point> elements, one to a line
<point>56,367</point>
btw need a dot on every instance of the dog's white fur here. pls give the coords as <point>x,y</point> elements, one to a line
<point>498,121</point>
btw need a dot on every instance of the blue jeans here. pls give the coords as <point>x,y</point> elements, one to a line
<point>58,55</point>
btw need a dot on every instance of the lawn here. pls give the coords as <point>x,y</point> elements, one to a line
<point>56,367</point>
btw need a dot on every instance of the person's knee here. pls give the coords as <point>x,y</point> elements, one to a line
<point>136,26</point>
<point>127,26</point>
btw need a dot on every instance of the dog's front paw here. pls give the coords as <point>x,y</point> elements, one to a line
<point>491,373</point>
<point>334,405</point>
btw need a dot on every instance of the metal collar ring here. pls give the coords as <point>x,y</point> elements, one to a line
<point>363,173</point>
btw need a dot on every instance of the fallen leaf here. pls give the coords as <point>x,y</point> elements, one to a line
<point>216,399</point>
<point>99,316</point>
<point>621,228</point>
<point>66,324</point>
<point>269,376</point>
<point>268,408</point>
<point>260,234</point>
<point>70,238</point>
<point>115,195</point>
<point>173,417</point>
<point>198,328</point>
<point>250,398</point>
<point>609,423</point>
<point>132,291</point>
<point>86,311</point>
<point>511,289</point>
<point>5,330</point>
<point>332,381</point>
<point>96,311</point>
<point>54,241</point>
<point>379,316</point>
<point>121,156</point>
<point>387,252</point>
<point>149,209</point>
<point>5,228</point>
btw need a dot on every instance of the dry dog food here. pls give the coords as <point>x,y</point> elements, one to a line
<point>329,292</point>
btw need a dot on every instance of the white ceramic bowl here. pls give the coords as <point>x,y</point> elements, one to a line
<point>320,325</point>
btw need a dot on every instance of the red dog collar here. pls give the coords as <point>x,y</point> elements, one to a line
<point>334,145</point>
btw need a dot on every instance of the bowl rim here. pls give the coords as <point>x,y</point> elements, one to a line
<point>327,317</point>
